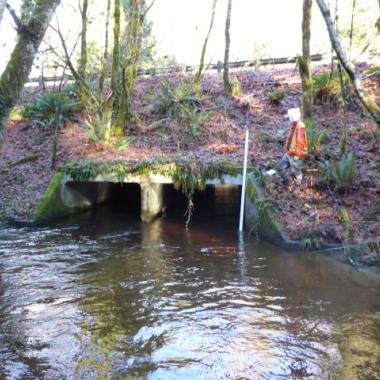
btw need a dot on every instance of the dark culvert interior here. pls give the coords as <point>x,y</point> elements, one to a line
<point>216,204</point>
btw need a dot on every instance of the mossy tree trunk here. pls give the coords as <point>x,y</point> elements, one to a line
<point>305,61</point>
<point>198,75</point>
<point>21,60</point>
<point>104,69</point>
<point>226,78</point>
<point>378,20</point>
<point>112,104</point>
<point>366,99</point>
<point>116,47</point>
<point>83,48</point>
<point>134,13</point>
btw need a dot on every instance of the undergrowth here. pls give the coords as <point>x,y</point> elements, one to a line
<point>51,110</point>
<point>327,87</point>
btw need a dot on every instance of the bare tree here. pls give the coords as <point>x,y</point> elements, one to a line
<point>226,79</point>
<point>366,99</point>
<point>21,60</point>
<point>198,75</point>
<point>305,61</point>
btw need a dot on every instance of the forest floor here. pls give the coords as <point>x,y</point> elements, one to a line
<point>313,211</point>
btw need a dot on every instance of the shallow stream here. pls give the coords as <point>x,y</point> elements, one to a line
<point>103,296</point>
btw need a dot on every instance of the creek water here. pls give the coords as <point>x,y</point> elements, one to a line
<point>103,296</point>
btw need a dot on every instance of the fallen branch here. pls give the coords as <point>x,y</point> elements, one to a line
<point>31,158</point>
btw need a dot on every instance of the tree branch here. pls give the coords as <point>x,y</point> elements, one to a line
<point>69,63</point>
<point>366,99</point>
<point>20,27</point>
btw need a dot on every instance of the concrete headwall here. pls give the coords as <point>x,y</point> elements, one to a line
<point>260,219</point>
<point>62,198</point>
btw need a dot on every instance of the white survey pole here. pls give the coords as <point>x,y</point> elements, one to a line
<point>242,203</point>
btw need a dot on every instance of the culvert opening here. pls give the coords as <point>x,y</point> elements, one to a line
<point>216,204</point>
<point>124,197</point>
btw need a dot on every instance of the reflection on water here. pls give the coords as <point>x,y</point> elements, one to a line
<point>107,297</point>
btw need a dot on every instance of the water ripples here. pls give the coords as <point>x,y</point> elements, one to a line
<point>138,303</point>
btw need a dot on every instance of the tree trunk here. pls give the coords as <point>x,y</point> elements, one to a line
<point>116,48</point>
<point>104,69</point>
<point>352,24</point>
<point>2,7</point>
<point>378,21</point>
<point>198,75</point>
<point>366,99</point>
<point>20,63</point>
<point>83,48</point>
<point>304,62</point>
<point>129,69</point>
<point>110,104</point>
<point>226,78</point>
<point>136,13</point>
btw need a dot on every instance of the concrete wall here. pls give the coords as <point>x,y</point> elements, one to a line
<point>63,198</point>
<point>260,219</point>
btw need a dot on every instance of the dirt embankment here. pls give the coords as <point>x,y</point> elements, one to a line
<point>313,211</point>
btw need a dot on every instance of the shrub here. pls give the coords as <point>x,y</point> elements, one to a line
<point>315,137</point>
<point>51,110</point>
<point>340,173</point>
<point>172,100</point>
<point>276,96</point>
<point>125,142</point>
<point>310,238</point>
<point>265,137</point>
<point>327,87</point>
<point>71,90</point>
<point>194,121</point>
<point>235,87</point>
<point>181,107</point>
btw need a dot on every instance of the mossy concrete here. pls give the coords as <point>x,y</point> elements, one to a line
<point>151,200</point>
<point>62,198</point>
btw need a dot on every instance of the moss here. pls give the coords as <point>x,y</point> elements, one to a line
<point>47,200</point>
<point>251,192</point>
<point>262,216</point>
<point>186,175</point>
<point>18,113</point>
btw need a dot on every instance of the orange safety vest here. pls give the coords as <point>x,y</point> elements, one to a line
<point>298,141</point>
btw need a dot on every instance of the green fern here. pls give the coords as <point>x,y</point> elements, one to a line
<point>172,100</point>
<point>52,109</point>
<point>341,173</point>
<point>315,137</point>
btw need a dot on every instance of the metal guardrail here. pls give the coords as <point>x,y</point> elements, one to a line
<point>190,68</point>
